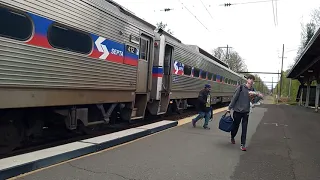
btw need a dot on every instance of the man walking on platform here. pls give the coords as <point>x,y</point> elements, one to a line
<point>240,104</point>
<point>204,106</point>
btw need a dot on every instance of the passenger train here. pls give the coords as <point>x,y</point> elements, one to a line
<point>92,62</point>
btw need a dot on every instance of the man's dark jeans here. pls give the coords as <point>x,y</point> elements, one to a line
<point>237,119</point>
<point>205,115</point>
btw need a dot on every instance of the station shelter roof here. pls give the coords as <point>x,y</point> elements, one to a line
<point>307,66</point>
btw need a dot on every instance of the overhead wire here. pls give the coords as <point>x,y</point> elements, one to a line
<point>206,9</point>
<point>276,2</point>
<point>274,17</point>
<point>194,15</point>
<point>251,2</point>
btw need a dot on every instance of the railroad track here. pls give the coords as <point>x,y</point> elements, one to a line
<point>69,137</point>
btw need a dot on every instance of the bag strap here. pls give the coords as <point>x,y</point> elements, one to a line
<point>226,114</point>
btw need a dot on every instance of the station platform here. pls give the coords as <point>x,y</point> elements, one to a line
<point>283,143</point>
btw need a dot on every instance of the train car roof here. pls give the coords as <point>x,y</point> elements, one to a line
<point>130,13</point>
<point>212,58</point>
<point>123,12</point>
<point>195,49</point>
<point>202,51</point>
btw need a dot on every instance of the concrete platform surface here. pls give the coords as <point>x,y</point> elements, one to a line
<point>24,163</point>
<point>283,143</point>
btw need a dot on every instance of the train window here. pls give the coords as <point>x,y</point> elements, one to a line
<point>214,78</point>
<point>226,80</point>
<point>62,37</point>
<point>196,72</point>
<point>167,59</point>
<point>203,74</point>
<point>209,75</point>
<point>187,70</point>
<point>15,25</point>
<point>144,49</point>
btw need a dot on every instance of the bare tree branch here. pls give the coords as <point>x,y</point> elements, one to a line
<point>235,62</point>
<point>164,26</point>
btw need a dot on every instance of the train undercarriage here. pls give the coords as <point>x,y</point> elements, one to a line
<point>20,126</point>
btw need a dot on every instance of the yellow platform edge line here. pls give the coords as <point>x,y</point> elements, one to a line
<point>180,122</point>
<point>189,119</point>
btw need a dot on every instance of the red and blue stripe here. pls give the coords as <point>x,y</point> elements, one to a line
<point>218,78</point>
<point>130,58</point>
<point>111,46</point>
<point>116,50</point>
<point>41,26</point>
<point>157,71</point>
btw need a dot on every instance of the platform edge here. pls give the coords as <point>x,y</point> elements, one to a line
<point>60,158</point>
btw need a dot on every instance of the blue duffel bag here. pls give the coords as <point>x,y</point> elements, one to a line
<point>226,123</point>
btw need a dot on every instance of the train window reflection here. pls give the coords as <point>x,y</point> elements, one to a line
<point>63,37</point>
<point>187,70</point>
<point>196,72</point>
<point>15,25</point>
<point>203,74</point>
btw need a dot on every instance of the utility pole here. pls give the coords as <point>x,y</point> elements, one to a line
<point>278,88</point>
<point>227,54</point>
<point>259,85</point>
<point>281,69</point>
<point>272,86</point>
<point>290,81</point>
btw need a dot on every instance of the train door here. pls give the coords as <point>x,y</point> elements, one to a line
<point>143,65</point>
<point>167,79</point>
<point>167,67</point>
<point>143,78</point>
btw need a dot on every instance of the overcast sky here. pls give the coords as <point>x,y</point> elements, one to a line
<point>248,28</point>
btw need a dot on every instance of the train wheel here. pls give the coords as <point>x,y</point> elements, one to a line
<point>9,138</point>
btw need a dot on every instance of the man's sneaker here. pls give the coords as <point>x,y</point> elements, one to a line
<point>207,128</point>
<point>243,148</point>
<point>233,141</point>
<point>193,123</point>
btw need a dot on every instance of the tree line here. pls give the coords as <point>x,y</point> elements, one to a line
<point>307,31</point>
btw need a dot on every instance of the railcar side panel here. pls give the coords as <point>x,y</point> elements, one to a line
<point>36,63</point>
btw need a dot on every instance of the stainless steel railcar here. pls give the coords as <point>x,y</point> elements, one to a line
<point>86,62</point>
<point>180,71</point>
<point>89,62</point>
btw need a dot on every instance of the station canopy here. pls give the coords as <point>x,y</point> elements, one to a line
<point>308,65</point>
